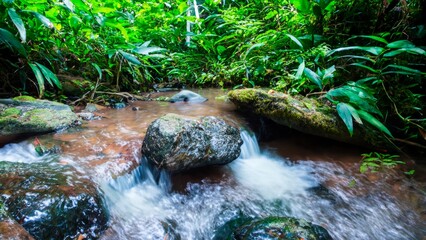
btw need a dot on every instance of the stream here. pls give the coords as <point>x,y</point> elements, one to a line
<point>291,175</point>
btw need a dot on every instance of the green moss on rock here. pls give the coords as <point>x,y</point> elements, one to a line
<point>303,114</point>
<point>10,112</point>
<point>24,98</point>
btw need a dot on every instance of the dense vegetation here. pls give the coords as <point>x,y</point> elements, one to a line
<point>362,56</point>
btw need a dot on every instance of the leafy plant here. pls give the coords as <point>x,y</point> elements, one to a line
<point>375,162</point>
<point>355,102</point>
<point>384,66</point>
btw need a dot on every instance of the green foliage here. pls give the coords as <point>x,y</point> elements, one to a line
<point>375,162</point>
<point>382,68</point>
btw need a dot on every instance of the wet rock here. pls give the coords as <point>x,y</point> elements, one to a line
<point>26,115</point>
<point>52,201</point>
<point>11,230</point>
<point>178,143</point>
<point>271,228</point>
<point>187,96</point>
<point>305,115</point>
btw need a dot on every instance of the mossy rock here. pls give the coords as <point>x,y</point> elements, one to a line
<point>285,228</point>
<point>23,115</point>
<point>306,115</point>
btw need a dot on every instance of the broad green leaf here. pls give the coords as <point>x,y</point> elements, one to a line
<point>44,20</point>
<point>271,14</point>
<point>367,79</point>
<point>357,57</point>
<point>401,44</point>
<point>414,50</point>
<point>301,5</point>
<point>11,42</point>
<point>69,5</point>
<point>147,50</point>
<point>300,70</point>
<point>375,38</point>
<point>146,44</point>
<point>328,73</point>
<point>373,50</point>
<point>374,122</point>
<point>119,27</point>
<point>49,76</point>
<point>365,67</point>
<point>39,77</point>
<point>130,57</point>
<point>294,39</point>
<point>17,20</point>
<point>257,45</point>
<point>346,116</point>
<point>98,69</point>
<point>311,75</point>
<point>408,70</point>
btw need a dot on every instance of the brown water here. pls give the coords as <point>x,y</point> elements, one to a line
<point>293,175</point>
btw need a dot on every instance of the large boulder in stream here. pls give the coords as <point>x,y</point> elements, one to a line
<point>306,115</point>
<point>177,143</point>
<point>26,115</point>
<point>271,228</point>
<point>50,201</point>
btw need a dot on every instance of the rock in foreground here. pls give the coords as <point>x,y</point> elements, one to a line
<point>51,201</point>
<point>271,228</point>
<point>177,143</point>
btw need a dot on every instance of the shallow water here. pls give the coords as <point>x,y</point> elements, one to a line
<point>295,175</point>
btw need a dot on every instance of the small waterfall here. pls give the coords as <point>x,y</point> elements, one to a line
<point>250,147</point>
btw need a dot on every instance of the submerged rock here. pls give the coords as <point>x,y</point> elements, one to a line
<point>26,115</point>
<point>187,96</point>
<point>305,115</point>
<point>271,228</point>
<point>51,201</point>
<point>178,143</point>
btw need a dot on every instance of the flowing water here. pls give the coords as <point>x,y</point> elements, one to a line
<point>296,175</point>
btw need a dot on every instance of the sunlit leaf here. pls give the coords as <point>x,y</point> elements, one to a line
<point>328,73</point>
<point>414,50</point>
<point>39,77</point>
<point>311,75</point>
<point>130,57</point>
<point>375,38</point>
<point>49,76</point>
<point>147,50</point>
<point>373,50</point>
<point>300,70</point>
<point>257,45</point>
<point>69,5</point>
<point>401,44</point>
<point>98,69</point>
<point>44,20</point>
<point>17,20</point>
<point>346,116</point>
<point>374,122</point>
<point>295,40</point>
